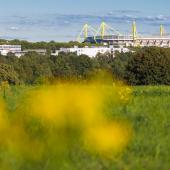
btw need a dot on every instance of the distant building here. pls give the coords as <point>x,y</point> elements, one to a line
<point>17,50</point>
<point>91,51</point>
<point>5,49</point>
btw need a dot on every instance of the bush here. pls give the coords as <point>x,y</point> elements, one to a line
<point>7,73</point>
<point>149,66</point>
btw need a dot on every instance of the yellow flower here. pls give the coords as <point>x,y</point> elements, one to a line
<point>108,137</point>
<point>74,104</point>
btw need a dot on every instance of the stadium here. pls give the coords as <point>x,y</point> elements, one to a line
<point>105,34</point>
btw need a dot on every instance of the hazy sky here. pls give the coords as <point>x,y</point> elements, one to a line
<point>61,20</point>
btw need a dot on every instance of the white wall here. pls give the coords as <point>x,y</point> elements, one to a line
<point>5,49</point>
<point>93,51</point>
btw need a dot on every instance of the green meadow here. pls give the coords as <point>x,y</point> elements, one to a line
<point>148,111</point>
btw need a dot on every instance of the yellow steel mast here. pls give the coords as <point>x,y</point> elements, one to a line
<point>134,30</point>
<point>103,29</point>
<point>161,30</point>
<point>85,30</point>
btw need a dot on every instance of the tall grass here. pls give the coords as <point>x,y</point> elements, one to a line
<point>147,111</point>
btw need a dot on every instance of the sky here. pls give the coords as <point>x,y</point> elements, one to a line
<point>61,20</point>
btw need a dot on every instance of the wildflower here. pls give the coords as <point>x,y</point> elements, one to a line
<point>124,94</point>
<point>110,137</point>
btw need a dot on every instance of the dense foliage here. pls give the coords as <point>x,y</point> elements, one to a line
<point>7,73</point>
<point>149,66</point>
<point>145,66</point>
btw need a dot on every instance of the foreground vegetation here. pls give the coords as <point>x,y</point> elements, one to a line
<point>147,110</point>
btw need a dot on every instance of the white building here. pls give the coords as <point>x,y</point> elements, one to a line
<point>91,51</point>
<point>17,50</point>
<point>5,49</point>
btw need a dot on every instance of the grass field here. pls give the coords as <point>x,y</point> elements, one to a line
<point>148,111</point>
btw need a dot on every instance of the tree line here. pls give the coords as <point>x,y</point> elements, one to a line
<point>52,45</point>
<point>143,66</point>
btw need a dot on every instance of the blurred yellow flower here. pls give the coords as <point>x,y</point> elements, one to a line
<point>63,110</point>
<point>74,104</point>
<point>81,106</point>
<point>109,137</point>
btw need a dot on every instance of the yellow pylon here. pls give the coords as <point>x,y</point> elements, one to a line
<point>85,29</point>
<point>134,30</point>
<point>161,30</point>
<point>103,29</point>
<point>84,33</point>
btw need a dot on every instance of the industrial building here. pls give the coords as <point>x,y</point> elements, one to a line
<point>108,35</point>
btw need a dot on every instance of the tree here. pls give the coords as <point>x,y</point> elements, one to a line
<point>71,67</point>
<point>105,61</point>
<point>34,67</point>
<point>7,73</point>
<point>119,65</point>
<point>149,66</point>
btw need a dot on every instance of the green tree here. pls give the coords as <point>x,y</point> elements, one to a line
<point>149,66</point>
<point>7,73</point>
